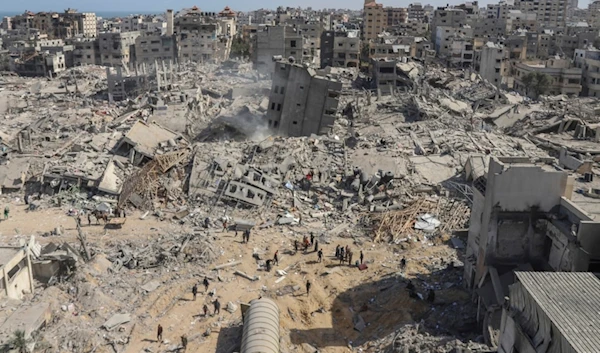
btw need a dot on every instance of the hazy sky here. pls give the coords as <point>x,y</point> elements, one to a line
<point>239,5</point>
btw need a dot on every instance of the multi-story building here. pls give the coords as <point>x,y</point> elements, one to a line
<point>588,60</point>
<point>340,49</point>
<point>35,63</point>
<point>203,36</point>
<point>131,23</point>
<point>87,24</point>
<point>445,35</point>
<point>301,103</point>
<point>411,28</point>
<point>415,11</point>
<point>273,41</point>
<point>86,51</point>
<point>6,23</point>
<point>593,13</point>
<point>395,16</point>
<point>447,17</point>
<point>117,49</point>
<point>548,12</point>
<point>491,63</point>
<point>153,47</point>
<point>563,78</point>
<point>517,19</point>
<point>374,20</point>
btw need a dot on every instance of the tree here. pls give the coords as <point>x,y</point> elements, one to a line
<point>528,81</point>
<point>240,48</point>
<point>19,342</point>
<point>536,83</point>
<point>542,81</point>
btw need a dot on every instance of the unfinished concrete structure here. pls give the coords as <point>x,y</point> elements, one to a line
<point>551,312</point>
<point>301,103</point>
<point>16,276</point>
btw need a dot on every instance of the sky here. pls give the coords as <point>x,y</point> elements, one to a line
<point>159,6</point>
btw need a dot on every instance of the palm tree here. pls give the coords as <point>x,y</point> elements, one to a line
<point>19,341</point>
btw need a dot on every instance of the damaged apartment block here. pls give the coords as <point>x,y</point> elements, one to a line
<point>301,102</point>
<point>525,216</point>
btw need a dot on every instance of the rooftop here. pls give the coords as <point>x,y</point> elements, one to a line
<point>571,300</point>
<point>6,254</point>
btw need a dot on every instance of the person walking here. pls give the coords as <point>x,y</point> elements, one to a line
<point>350,258</point>
<point>217,305</point>
<point>195,291</point>
<point>320,255</point>
<point>6,212</point>
<point>316,245</point>
<point>276,258</point>
<point>308,285</point>
<point>205,282</point>
<point>205,309</point>
<point>361,257</point>
<point>159,336</point>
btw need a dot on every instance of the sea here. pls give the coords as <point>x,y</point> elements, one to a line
<point>103,14</point>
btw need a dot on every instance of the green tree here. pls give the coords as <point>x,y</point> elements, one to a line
<point>542,81</point>
<point>536,83</point>
<point>240,48</point>
<point>528,81</point>
<point>19,342</point>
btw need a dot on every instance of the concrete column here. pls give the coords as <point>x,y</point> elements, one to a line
<point>29,270</point>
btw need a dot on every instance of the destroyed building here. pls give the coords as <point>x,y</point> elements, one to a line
<point>551,312</point>
<point>525,215</point>
<point>16,276</point>
<point>301,103</point>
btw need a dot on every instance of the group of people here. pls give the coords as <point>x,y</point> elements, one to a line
<point>306,243</point>
<point>345,254</point>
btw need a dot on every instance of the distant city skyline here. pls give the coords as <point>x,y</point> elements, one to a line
<point>237,5</point>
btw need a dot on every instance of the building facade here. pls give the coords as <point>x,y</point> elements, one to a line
<point>588,60</point>
<point>563,78</point>
<point>301,103</point>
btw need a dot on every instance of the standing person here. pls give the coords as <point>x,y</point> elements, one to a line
<point>312,238</point>
<point>205,282</point>
<point>361,257</point>
<point>276,258</point>
<point>217,305</point>
<point>316,245</point>
<point>342,256</point>
<point>224,225</point>
<point>89,217</point>
<point>206,222</point>
<point>195,291</point>
<point>350,258</point>
<point>269,261</point>
<point>205,308</point>
<point>184,342</point>
<point>403,263</point>
<point>320,255</point>
<point>295,246</point>
<point>337,251</point>
<point>308,285</point>
<point>159,336</point>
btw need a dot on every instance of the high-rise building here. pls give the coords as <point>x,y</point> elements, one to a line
<point>374,20</point>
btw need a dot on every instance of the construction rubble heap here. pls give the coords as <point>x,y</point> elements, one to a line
<point>125,204</point>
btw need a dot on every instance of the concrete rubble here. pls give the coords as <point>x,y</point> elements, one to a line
<point>396,168</point>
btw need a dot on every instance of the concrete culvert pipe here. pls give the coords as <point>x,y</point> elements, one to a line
<point>261,327</point>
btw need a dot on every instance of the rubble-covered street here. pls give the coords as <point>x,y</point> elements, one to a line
<point>125,205</point>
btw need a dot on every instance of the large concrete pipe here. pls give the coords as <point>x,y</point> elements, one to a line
<point>261,327</point>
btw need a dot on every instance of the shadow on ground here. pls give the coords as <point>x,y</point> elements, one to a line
<point>230,339</point>
<point>385,305</point>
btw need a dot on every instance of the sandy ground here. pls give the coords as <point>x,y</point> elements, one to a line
<point>323,318</point>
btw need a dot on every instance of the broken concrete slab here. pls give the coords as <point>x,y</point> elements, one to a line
<point>116,320</point>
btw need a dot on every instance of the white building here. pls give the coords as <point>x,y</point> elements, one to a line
<point>490,62</point>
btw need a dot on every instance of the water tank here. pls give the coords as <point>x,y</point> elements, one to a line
<point>261,327</point>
